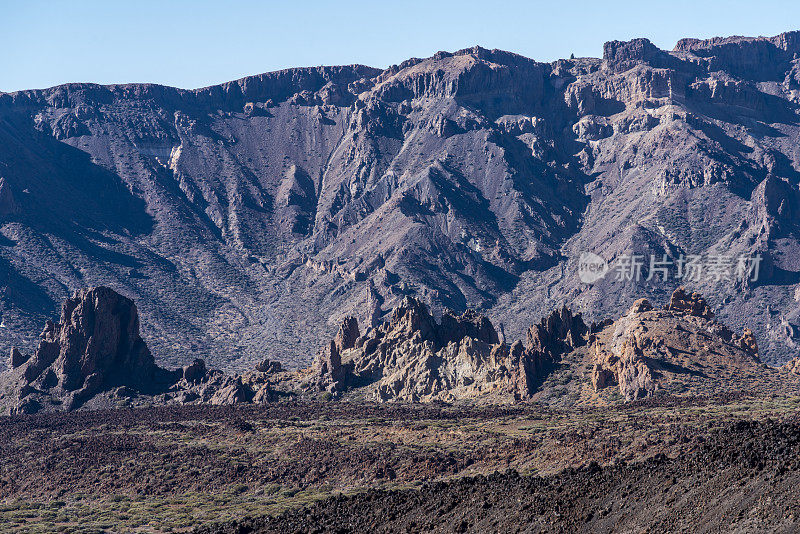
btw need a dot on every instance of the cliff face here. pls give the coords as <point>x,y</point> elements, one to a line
<point>94,347</point>
<point>413,357</point>
<point>248,218</point>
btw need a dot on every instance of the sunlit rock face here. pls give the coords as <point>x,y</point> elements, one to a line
<point>247,219</point>
<point>414,357</point>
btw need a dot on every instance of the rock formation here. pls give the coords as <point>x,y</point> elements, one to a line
<point>674,350</point>
<point>694,304</point>
<point>95,351</point>
<point>415,358</point>
<point>328,364</point>
<point>649,350</point>
<point>793,366</point>
<point>94,347</point>
<point>94,357</point>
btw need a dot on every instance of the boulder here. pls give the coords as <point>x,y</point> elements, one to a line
<point>640,306</point>
<point>747,341</point>
<point>235,392</point>
<point>267,366</point>
<point>694,304</point>
<point>195,372</point>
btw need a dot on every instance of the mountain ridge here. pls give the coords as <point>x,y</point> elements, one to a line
<point>470,179</point>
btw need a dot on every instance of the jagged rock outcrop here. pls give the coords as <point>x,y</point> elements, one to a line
<point>328,364</point>
<point>199,385</point>
<point>641,305</point>
<point>625,368</point>
<point>669,350</point>
<point>413,357</point>
<point>793,366</point>
<point>758,58</point>
<point>195,372</point>
<point>694,304</point>
<point>268,366</point>
<point>747,342</point>
<point>623,55</point>
<point>558,333</point>
<point>94,347</point>
<point>95,352</point>
<point>17,358</point>
<point>234,392</point>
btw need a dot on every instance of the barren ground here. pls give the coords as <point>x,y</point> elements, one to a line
<point>667,464</point>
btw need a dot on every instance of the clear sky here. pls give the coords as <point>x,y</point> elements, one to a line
<point>198,43</point>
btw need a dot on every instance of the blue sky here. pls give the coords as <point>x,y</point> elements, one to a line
<point>197,43</point>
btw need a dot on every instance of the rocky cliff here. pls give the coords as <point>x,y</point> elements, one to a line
<point>649,351</point>
<point>413,357</point>
<point>249,218</point>
<point>94,347</point>
<point>94,355</point>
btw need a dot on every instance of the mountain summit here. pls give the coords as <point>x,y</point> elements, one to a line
<point>248,218</point>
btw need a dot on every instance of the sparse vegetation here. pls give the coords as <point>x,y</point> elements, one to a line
<point>169,469</point>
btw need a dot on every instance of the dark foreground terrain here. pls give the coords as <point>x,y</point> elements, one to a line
<point>744,480</point>
<point>686,464</point>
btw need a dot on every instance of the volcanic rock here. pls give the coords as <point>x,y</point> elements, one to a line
<point>793,366</point>
<point>747,341</point>
<point>17,358</point>
<point>233,393</point>
<point>413,357</point>
<point>94,347</point>
<point>648,350</point>
<point>621,56</point>
<point>195,372</point>
<point>558,333</point>
<point>268,366</point>
<point>641,305</point>
<point>329,362</point>
<point>95,354</point>
<point>694,304</point>
<point>470,179</point>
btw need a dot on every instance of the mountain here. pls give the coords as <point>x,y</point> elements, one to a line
<point>247,219</point>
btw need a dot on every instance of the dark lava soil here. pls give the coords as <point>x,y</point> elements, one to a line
<point>729,464</point>
<point>743,479</point>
